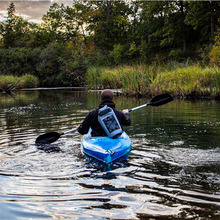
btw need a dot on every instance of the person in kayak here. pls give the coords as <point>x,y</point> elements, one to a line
<point>91,120</point>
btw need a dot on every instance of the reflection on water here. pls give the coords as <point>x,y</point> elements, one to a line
<point>173,171</point>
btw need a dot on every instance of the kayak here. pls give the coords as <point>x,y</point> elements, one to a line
<point>106,149</point>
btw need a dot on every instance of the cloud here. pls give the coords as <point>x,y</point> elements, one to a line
<point>3,13</point>
<point>58,1</point>
<point>33,10</point>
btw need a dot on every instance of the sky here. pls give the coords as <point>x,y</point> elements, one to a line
<point>32,10</point>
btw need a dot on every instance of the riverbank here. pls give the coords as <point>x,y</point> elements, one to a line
<point>182,81</point>
<point>10,82</point>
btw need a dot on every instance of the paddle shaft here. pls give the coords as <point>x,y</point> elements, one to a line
<point>138,107</point>
<point>156,101</point>
<point>66,132</point>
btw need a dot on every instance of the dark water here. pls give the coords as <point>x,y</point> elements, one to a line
<point>173,171</point>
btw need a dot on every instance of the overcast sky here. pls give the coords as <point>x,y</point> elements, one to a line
<point>33,10</point>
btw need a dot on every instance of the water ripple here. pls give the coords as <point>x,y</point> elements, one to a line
<point>173,171</point>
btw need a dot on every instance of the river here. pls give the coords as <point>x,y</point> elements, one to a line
<point>173,171</point>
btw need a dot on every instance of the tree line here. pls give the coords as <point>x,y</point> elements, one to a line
<point>107,33</point>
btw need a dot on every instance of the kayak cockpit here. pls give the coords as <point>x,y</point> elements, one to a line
<point>106,149</point>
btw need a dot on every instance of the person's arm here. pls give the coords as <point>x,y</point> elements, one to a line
<point>86,124</point>
<point>126,119</point>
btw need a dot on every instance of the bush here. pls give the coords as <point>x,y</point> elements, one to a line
<point>26,81</point>
<point>116,53</point>
<point>19,61</point>
<point>214,55</point>
<point>6,81</point>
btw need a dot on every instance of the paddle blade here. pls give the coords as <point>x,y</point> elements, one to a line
<point>47,138</point>
<point>161,99</point>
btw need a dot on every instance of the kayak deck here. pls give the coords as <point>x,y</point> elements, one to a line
<point>106,149</point>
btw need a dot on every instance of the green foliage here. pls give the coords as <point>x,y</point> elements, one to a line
<point>55,65</point>
<point>132,79</point>
<point>50,62</point>
<point>6,81</point>
<point>107,22</point>
<point>117,53</point>
<point>108,33</point>
<point>60,22</point>
<point>202,16</point>
<point>93,77</point>
<point>176,78</point>
<point>19,61</point>
<point>26,81</point>
<point>214,54</point>
<point>186,81</point>
<point>16,31</point>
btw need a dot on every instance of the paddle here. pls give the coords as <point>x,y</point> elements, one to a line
<point>51,137</point>
<point>156,101</point>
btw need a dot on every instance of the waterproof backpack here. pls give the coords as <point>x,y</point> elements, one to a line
<point>109,122</point>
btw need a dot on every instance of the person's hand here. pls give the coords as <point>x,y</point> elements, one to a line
<point>124,111</point>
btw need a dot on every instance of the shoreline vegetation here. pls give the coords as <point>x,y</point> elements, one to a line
<point>182,80</point>
<point>142,48</point>
<point>10,82</point>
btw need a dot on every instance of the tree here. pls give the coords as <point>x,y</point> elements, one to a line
<point>7,29</point>
<point>163,25</point>
<point>107,22</point>
<point>59,23</point>
<point>17,32</point>
<point>203,16</point>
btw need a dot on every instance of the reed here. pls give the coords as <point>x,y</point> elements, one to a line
<point>131,79</point>
<point>191,80</point>
<point>93,77</point>
<point>180,79</point>
<point>28,81</point>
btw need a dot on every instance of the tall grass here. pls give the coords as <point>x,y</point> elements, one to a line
<point>93,77</point>
<point>26,81</point>
<point>6,81</point>
<point>180,79</point>
<point>186,81</point>
<point>131,79</point>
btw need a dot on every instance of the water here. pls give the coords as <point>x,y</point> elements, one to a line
<point>173,171</point>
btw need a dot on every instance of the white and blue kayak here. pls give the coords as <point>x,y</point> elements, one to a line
<point>106,149</point>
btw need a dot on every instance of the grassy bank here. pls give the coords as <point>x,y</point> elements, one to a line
<point>26,81</point>
<point>181,80</point>
<point>193,81</point>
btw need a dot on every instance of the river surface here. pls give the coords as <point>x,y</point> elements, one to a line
<point>173,171</point>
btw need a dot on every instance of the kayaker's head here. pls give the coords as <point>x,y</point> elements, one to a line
<point>107,94</point>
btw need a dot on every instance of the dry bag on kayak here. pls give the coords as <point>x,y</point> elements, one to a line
<point>109,122</point>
